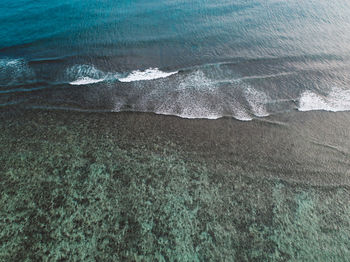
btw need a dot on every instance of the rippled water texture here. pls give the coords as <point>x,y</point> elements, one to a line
<point>264,181</point>
<point>197,59</point>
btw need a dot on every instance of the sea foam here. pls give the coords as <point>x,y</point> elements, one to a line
<point>148,74</point>
<point>15,72</point>
<point>257,101</point>
<point>86,81</point>
<point>336,100</point>
<point>89,74</point>
<point>84,75</point>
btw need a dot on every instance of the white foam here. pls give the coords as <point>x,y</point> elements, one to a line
<point>8,62</point>
<point>189,98</point>
<point>241,114</point>
<point>197,81</point>
<point>336,100</point>
<point>15,71</point>
<point>84,75</point>
<point>192,96</point>
<point>148,74</point>
<point>257,101</point>
<point>204,113</point>
<point>191,115</point>
<point>86,81</point>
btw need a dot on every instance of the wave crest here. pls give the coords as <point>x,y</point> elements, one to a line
<point>84,74</point>
<point>207,91</point>
<point>87,74</point>
<point>336,100</point>
<point>148,74</point>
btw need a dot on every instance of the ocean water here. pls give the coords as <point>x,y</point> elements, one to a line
<point>194,59</point>
<point>267,182</point>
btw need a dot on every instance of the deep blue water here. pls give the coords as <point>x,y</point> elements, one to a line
<point>200,58</point>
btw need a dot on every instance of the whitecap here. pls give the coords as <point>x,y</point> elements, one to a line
<point>257,101</point>
<point>148,74</point>
<point>191,96</point>
<point>86,81</point>
<point>84,74</point>
<point>336,100</point>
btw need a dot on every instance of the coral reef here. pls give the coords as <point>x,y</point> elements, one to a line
<point>76,193</point>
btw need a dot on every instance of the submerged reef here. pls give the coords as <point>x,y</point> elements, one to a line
<point>76,192</point>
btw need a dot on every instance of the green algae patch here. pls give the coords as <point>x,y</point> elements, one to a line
<point>74,199</point>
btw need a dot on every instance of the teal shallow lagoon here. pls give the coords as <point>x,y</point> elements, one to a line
<point>122,187</point>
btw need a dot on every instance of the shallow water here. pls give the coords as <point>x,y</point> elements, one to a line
<point>80,179</point>
<point>145,187</point>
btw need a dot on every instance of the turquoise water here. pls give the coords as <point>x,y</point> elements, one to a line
<point>198,59</point>
<point>142,187</point>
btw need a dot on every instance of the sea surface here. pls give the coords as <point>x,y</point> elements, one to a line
<point>175,130</point>
<point>194,59</point>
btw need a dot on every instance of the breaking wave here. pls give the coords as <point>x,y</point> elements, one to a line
<point>194,95</point>
<point>84,75</point>
<point>148,74</point>
<point>87,74</point>
<point>336,99</point>
<point>86,81</point>
<point>209,91</point>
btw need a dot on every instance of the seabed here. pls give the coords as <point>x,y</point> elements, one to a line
<point>76,187</point>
